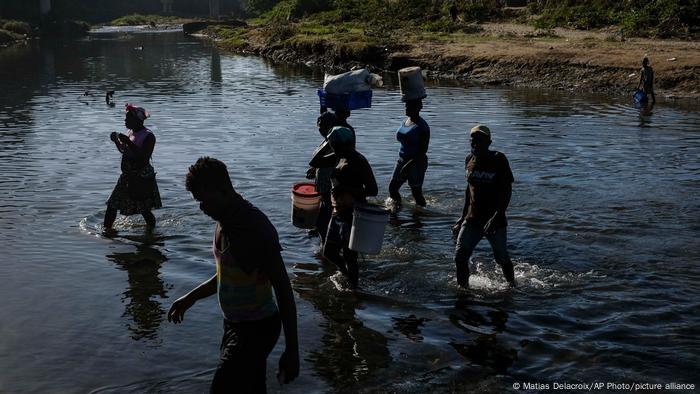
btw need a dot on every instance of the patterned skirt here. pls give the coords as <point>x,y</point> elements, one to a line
<point>130,197</point>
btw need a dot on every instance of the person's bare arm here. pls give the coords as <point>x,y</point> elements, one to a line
<point>182,304</point>
<point>273,267</point>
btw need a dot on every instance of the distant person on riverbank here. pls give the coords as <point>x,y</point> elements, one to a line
<point>136,190</point>
<point>646,79</point>
<point>353,181</point>
<point>249,267</point>
<point>486,199</point>
<point>414,136</point>
<point>322,175</point>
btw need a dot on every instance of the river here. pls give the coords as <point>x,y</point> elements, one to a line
<point>604,230</point>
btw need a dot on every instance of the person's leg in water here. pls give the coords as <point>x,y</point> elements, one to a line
<point>149,218</point>
<point>324,217</point>
<point>499,244</point>
<point>110,217</point>
<point>416,176</point>
<point>245,347</point>
<point>467,240</point>
<point>397,180</point>
<point>333,245</point>
<point>350,257</point>
<point>417,192</point>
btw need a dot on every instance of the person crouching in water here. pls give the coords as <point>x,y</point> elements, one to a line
<point>248,267</point>
<point>322,175</point>
<point>488,192</point>
<point>353,181</point>
<point>136,190</point>
<point>414,136</point>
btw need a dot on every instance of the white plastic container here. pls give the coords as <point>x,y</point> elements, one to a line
<point>368,226</point>
<point>351,81</point>
<point>306,204</point>
<point>411,84</point>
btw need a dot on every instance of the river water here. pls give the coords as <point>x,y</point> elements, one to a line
<point>604,230</point>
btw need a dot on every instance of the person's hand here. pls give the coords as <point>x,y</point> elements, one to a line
<point>123,138</point>
<point>311,173</point>
<point>113,136</point>
<point>176,314</point>
<point>288,367</point>
<point>455,228</point>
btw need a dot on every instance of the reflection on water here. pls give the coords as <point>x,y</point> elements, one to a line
<point>482,345</point>
<point>144,291</point>
<point>602,229</point>
<point>349,352</point>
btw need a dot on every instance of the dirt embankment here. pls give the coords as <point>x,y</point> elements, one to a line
<point>511,54</point>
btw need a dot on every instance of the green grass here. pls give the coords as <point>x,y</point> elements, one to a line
<point>139,20</point>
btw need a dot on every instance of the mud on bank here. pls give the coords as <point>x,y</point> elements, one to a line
<point>491,53</point>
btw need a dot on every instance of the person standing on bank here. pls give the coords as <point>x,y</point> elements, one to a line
<point>646,79</point>
<point>249,267</point>
<point>353,181</point>
<point>488,192</point>
<point>414,136</point>
<point>136,191</point>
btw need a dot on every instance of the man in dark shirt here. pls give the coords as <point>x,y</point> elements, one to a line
<point>353,181</point>
<point>486,199</point>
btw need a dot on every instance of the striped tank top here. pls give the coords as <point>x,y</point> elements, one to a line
<point>242,296</point>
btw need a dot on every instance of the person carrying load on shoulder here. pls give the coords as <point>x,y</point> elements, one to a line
<point>249,267</point>
<point>136,190</point>
<point>486,199</point>
<point>646,79</point>
<point>352,182</point>
<point>414,136</point>
<point>322,175</point>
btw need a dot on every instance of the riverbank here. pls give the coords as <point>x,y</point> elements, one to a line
<point>488,53</point>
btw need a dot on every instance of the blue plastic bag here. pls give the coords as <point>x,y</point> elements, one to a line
<point>640,96</point>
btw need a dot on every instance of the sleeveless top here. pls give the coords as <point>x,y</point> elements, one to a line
<point>242,296</point>
<point>127,164</point>
<point>410,138</point>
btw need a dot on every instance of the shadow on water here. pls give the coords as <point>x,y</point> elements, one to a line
<point>350,352</point>
<point>482,345</point>
<point>145,288</point>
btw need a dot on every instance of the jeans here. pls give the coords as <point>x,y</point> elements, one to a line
<point>469,236</point>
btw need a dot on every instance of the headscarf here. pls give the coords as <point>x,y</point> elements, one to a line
<point>138,112</point>
<point>340,135</point>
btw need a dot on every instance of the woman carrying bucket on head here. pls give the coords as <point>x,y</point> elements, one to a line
<point>353,181</point>
<point>414,136</point>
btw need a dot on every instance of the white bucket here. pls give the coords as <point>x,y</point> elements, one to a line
<point>411,84</point>
<point>305,205</point>
<point>368,226</point>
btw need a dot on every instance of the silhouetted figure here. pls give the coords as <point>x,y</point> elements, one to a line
<point>488,192</point>
<point>108,98</point>
<point>414,136</point>
<point>249,267</point>
<point>136,191</point>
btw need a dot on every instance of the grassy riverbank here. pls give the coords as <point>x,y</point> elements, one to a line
<point>556,45</point>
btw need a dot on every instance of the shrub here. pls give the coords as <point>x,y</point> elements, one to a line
<point>17,27</point>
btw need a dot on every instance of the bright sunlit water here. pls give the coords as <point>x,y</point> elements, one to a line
<point>604,230</point>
